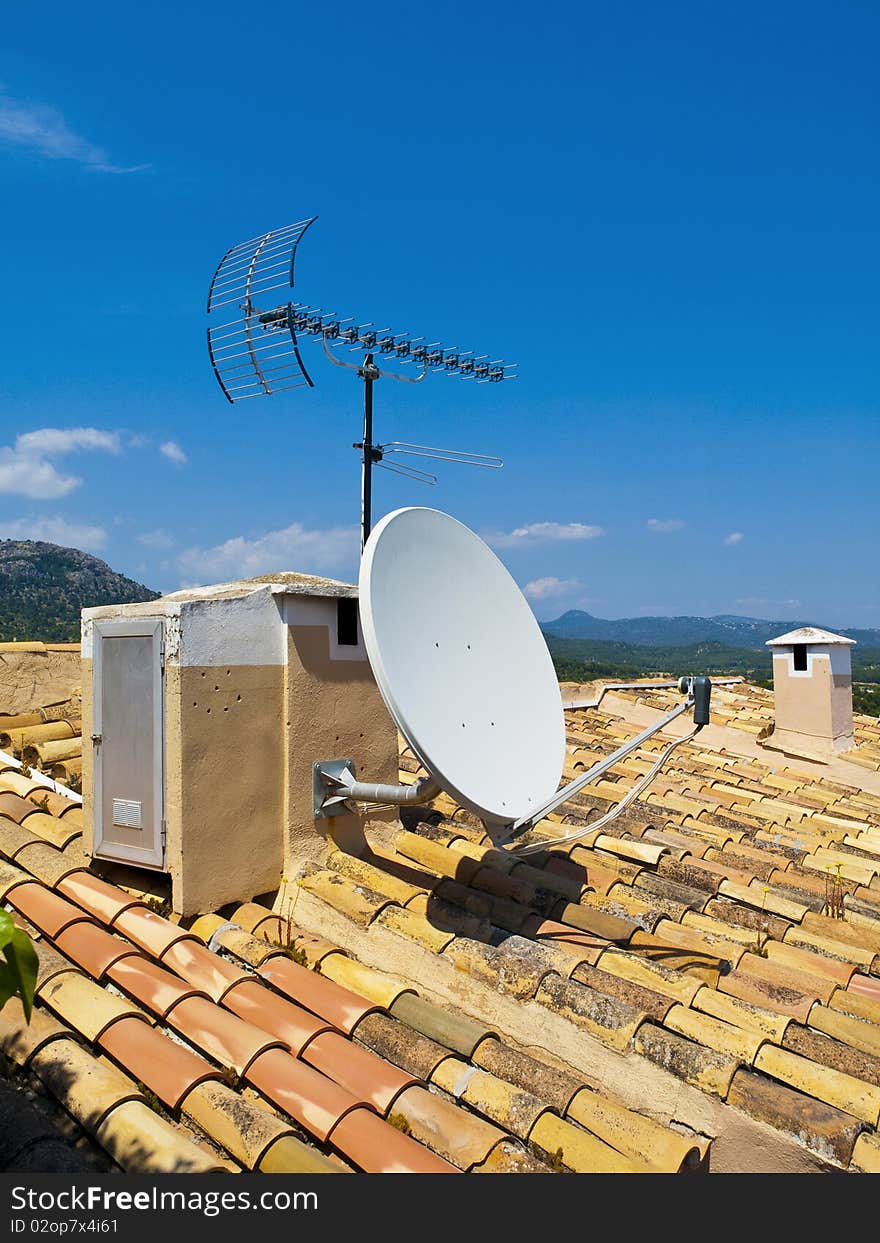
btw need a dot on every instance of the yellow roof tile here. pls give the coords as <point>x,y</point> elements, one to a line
<point>860,1099</point>
<point>143,1143</point>
<point>632,1134</point>
<point>742,1014</point>
<point>737,1042</point>
<point>580,1151</point>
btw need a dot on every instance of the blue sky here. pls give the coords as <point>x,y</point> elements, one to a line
<point>666,215</point>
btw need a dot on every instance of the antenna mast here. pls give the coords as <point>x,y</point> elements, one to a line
<point>257,353</point>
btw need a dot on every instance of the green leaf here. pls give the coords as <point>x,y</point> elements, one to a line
<point>18,966</point>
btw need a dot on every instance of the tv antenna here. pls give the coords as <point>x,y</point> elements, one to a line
<point>257,352</point>
<point>471,686</point>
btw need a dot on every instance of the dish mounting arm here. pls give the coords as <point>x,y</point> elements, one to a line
<point>334,788</point>
<point>697,691</point>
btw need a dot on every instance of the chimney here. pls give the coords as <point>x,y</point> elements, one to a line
<point>812,689</point>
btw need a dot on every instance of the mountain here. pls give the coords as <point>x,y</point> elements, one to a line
<point>726,629</point>
<point>43,587</point>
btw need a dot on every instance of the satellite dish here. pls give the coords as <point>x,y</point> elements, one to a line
<point>464,670</point>
<point>465,673</point>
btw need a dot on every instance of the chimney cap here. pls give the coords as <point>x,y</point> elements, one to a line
<point>809,634</point>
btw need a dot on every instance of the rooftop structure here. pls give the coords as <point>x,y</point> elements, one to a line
<point>670,994</point>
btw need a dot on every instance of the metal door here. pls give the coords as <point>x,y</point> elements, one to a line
<point>128,741</point>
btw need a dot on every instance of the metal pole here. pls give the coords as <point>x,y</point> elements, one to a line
<point>369,372</point>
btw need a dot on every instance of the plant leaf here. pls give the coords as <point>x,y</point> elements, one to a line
<point>18,968</point>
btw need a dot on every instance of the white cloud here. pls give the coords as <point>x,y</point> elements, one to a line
<point>550,588</point>
<point>156,539</point>
<point>25,467</point>
<point>735,537</point>
<point>55,531</point>
<point>543,532</point>
<point>43,130</point>
<point>293,548</point>
<point>665,526</point>
<point>172,450</point>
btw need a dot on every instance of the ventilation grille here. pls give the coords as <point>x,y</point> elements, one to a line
<point>128,813</point>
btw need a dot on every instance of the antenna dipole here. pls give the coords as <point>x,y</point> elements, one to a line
<point>257,353</point>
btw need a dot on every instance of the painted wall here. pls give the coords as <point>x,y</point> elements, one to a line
<point>257,688</point>
<point>334,711</point>
<point>813,707</point>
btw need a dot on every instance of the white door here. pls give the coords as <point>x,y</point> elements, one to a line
<point>128,741</point>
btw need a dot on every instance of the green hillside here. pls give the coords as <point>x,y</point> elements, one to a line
<point>44,586</point>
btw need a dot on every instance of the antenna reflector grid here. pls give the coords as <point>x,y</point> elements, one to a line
<point>257,353</point>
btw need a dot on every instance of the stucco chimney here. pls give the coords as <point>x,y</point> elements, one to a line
<point>812,688</point>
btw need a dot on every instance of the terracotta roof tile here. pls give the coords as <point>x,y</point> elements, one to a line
<point>166,1067</point>
<point>244,945</point>
<point>556,1087</point>
<point>14,837</point>
<point>377,986</point>
<point>512,1158</point>
<point>46,863</point>
<point>243,1128</point>
<point>10,876</point>
<point>357,1069</point>
<point>650,974</point>
<point>338,1006</point>
<point>356,901</point>
<point>258,1005</point>
<point>741,1013</point>
<point>829,1051</point>
<point>15,807</point>
<point>208,972</point>
<point>152,986</point>
<point>866,1154</point>
<point>782,999</point>
<point>149,931</point>
<point>776,974</point>
<point>58,833</point>
<point>222,1035</point>
<point>380,1149</point>
<point>313,1100</point>
<point>416,927</point>
<point>45,909</point>
<point>363,872</point>
<point>454,1134</point>
<point>94,895</point>
<point>92,947</point>
<point>726,1038</point>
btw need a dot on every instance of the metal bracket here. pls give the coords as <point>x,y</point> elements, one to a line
<point>327,776</point>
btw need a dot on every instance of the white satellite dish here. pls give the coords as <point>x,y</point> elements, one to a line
<point>465,673</point>
<point>461,664</point>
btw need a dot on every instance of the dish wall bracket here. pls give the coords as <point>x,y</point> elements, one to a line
<point>329,778</point>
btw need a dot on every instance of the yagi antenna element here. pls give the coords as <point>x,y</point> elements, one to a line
<point>254,348</point>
